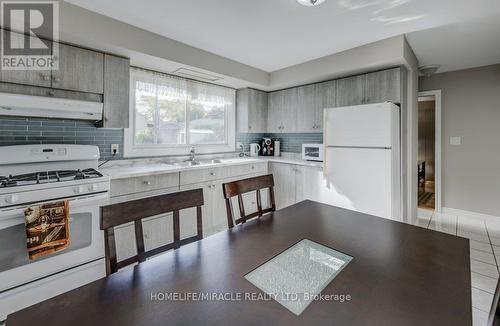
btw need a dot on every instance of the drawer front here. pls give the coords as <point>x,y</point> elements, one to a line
<point>134,185</point>
<point>244,170</point>
<point>200,175</point>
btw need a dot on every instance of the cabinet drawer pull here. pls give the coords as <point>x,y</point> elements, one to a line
<point>44,77</point>
<point>253,167</point>
<point>56,79</point>
<point>212,173</point>
<point>147,183</point>
<point>51,93</point>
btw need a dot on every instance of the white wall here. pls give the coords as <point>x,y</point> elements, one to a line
<point>471,110</point>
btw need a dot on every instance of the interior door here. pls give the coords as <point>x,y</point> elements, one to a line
<point>360,179</point>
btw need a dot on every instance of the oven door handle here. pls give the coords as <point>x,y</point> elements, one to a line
<point>94,199</point>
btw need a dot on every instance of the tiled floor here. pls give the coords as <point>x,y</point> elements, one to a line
<point>484,239</point>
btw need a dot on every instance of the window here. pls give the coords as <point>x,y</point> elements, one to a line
<point>170,114</point>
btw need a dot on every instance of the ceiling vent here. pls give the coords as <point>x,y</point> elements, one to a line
<point>189,73</point>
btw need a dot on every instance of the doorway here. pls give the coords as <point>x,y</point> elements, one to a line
<point>429,151</point>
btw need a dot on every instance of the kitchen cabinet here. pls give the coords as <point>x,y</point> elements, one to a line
<point>187,217</point>
<point>284,183</point>
<point>312,100</point>
<point>116,92</point>
<point>383,86</point>
<point>251,110</point>
<point>26,76</point>
<point>282,110</point>
<point>79,70</point>
<point>306,110</point>
<point>275,111</point>
<point>143,184</point>
<point>350,91</point>
<point>375,87</point>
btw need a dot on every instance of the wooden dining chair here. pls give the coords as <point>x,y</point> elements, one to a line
<point>136,210</point>
<point>240,187</point>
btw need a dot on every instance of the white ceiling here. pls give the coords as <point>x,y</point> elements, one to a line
<point>274,34</point>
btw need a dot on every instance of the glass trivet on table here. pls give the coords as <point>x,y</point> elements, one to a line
<point>298,274</point>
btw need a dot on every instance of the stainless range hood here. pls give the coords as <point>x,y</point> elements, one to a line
<point>49,107</point>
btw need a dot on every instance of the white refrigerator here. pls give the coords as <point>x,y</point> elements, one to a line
<point>362,159</point>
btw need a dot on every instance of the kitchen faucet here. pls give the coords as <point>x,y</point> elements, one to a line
<point>192,154</point>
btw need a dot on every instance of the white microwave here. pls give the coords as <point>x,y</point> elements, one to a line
<point>312,152</point>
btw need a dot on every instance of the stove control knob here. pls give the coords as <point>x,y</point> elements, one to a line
<point>78,190</point>
<point>12,199</point>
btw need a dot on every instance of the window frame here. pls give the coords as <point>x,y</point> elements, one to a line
<point>132,150</point>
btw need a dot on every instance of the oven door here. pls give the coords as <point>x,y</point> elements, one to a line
<point>86,242</point>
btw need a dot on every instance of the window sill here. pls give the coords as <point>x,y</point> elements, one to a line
<point>130,152</point>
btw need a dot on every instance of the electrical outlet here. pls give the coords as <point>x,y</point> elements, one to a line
<point>115,149</point>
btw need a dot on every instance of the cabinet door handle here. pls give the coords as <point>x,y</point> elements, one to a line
<point>44,77</point>
<point>253,167</point>
<point>212,173</point>
<point>147,183</point>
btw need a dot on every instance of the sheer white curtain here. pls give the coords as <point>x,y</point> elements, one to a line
<point>169,114</point>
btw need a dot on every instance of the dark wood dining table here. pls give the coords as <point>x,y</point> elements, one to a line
<point>400,275</point>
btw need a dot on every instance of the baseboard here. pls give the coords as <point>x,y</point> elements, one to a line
<point>470,214</point>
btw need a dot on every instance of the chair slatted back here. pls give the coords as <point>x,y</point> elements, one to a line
<point>136,210</point>
<point>240,187</point>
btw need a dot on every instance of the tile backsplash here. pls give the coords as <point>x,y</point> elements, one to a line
<point>23,131</point>
<point>290,142</point>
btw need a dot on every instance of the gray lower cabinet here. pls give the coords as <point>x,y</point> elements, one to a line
<point>116,92</point>
<point>27,76</point>
<point>79,70</point>
<point>295,183</point>
<point>251,110</point>
<point>284,183</point>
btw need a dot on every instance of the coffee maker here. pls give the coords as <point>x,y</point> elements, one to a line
<point>266,147</point>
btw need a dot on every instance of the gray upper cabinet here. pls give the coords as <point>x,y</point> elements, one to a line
<point>275,111</point>
<point>306,107</point>
<point>383,86</point>
<point>350,91</point>
<point>251,110</point>
<point>324,98</point>
<point>116,92</point>
<point>375,87</point>
<point>79,70</point>
<point>289,109</point>
<point>28,76</point>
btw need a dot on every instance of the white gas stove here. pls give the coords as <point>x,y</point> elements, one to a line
<point>35,174</point>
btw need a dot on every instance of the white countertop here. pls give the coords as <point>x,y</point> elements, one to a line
<point>136,168</point>
<point>291,160</point>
